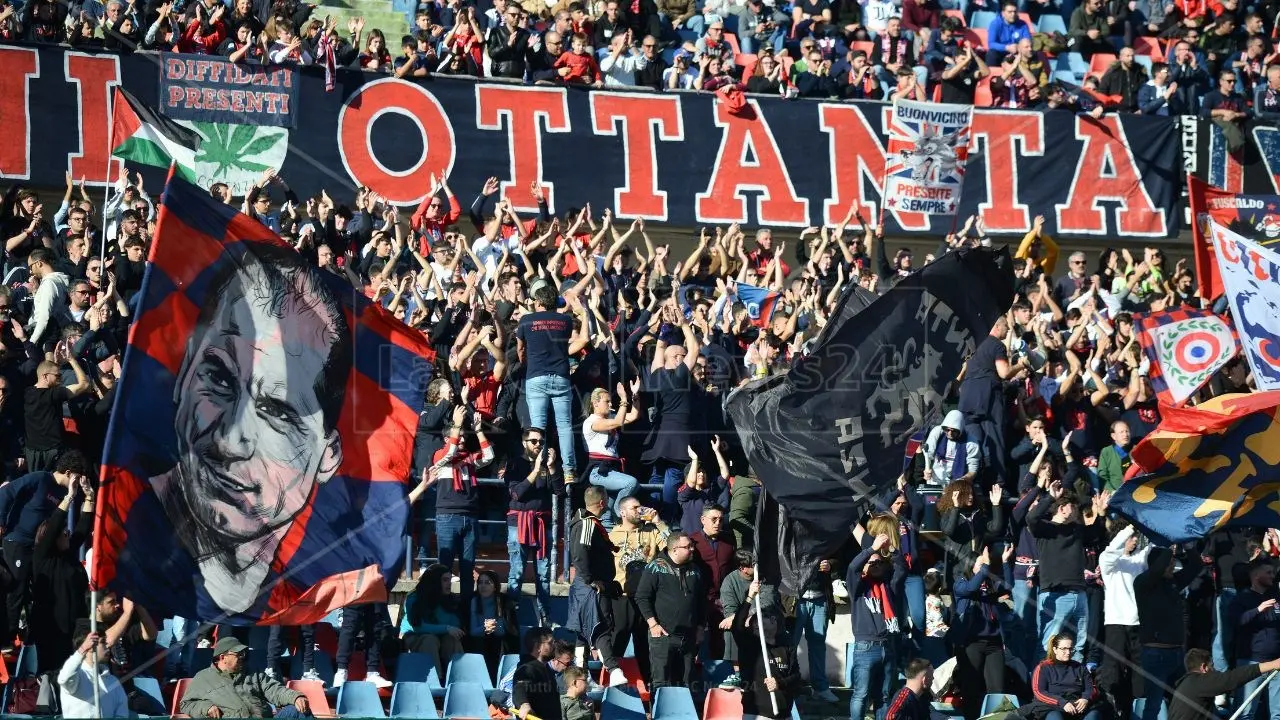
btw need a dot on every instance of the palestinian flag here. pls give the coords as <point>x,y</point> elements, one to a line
<point>142,135</point>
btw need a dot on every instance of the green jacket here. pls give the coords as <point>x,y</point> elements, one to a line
<point>238,695</point>
<point>575,709</point>
<point>1111,468</point>
<point>742,511</point>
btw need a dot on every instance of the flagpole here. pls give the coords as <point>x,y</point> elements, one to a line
<point>93,630</point>
<point>106,197</point>
<point>764,647</point>
<point>884,174</point>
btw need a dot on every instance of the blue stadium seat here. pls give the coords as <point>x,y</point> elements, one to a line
<point>28,661</point>
<point>622,703</point>
<point>359,699</point>
<point>1049,23</point>
<point>674,703</point>
<point>164,636</point>
<point>149,686</point>
<point>469,668</point>
<point>413,700</point>
<point>1065,76</point>
<point>1075,63</point>
<point>414,667</point>
<point>507,664</point>
<point>993,700</point>
<point>982,19</point>
<point>465,700</point>
<point>1144,61</point>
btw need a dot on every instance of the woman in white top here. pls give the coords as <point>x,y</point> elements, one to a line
<point>601,433</point>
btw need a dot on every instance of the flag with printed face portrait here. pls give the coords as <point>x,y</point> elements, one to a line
<point>256,463</point>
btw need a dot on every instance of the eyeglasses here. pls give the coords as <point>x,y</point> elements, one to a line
<point>649,46</point>
<point>681,547</point>
<point>1065,648</point>
<point>534,441</point>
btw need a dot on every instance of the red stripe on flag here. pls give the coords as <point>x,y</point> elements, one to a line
<point>182,261</point>
<point>385,425</point>
<point>120,489</point>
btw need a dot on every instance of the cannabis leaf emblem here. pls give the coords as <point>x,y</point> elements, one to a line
<point>231,146</point>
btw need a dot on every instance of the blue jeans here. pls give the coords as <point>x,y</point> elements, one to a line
<point>620,485</point>
<point>1164,667</point>
<point>517,553</point>
<point>1061,610</point>
<point>811,621</point>
<point>556,392</point>
<point>458,533</point>
<point>868,663</point>
<point>1223,639</point>
<point>669,475</point>
<point>914,591</point>
<point>1272,693</point>
<point>289,712</point>
<point>1022,640</point>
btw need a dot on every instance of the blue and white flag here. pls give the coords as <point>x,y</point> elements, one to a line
<point>1250,275</point>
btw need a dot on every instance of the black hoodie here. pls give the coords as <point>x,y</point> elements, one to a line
<point>1161,608</point>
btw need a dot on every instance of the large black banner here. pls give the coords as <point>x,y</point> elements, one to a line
<point>674,157</point>
<point>828,435</point>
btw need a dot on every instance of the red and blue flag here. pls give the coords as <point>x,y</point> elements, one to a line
<point>760,303</point>
<point>1206,468</point>
<point>256,463</point>
<point>1185,347</point>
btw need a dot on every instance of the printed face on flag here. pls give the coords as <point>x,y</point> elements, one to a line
<point>1249,276</point>
<point>257,398</point>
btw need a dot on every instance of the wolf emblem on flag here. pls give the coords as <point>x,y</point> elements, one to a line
<point>926,155</point>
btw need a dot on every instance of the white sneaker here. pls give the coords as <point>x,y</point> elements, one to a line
<point>826,696</point>
<point>339,677</point>
<point>270,672</point>
<point>313,675</point>
<point>839,590</point>
<point>617,677</point>
<point>1220,701</point>
<point>377,679</point>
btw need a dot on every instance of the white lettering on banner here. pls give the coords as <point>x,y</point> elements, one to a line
<point>851,454</point>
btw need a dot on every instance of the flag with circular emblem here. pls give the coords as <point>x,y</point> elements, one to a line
<point>1185,347</point>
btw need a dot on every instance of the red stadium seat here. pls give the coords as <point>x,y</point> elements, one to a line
<point>865,46</point>
<point>976,37</point>
<point>631,668</point>
<point>1027,19</point>
<point>958,14</point>
<point>179,690</point>
<point>1099,63</point>
<point>722,705</point>
<point>982,94</point>
<point>314,690</point>
<point>1149,47</point>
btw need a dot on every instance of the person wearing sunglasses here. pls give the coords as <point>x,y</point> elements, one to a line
<point>228,689</point>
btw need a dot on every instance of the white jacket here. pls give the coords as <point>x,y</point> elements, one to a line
<point>1119,606</point>
<point>50,307</point>
<point>77,691</point>
<point>622,71</point>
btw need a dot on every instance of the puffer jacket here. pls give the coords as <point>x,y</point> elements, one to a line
<point>237,695</point>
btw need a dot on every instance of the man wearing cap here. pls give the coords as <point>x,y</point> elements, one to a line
<point>226,690</point>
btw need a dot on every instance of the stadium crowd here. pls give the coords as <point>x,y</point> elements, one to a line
<point>1209,57</point>
<point>585,367</point>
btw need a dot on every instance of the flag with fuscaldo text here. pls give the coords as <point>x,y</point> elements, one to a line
<point>925,157</point>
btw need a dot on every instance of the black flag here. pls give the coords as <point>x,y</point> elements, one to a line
<point>829,435</point>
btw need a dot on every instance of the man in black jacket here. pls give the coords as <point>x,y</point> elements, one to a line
<point>1193,696</point>
<point>1257,628</point>
<point>509,46</point>
<point>591,554</point>
<point>534,690</point>
<point>1060,540</point>
<point>671,597</point>
<point>1162,626</point>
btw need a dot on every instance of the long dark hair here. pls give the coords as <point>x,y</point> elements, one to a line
<point>428,598</point>
<point>499,602</point>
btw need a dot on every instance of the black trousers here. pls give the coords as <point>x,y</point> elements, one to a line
<point>18,558</point>
<point>375,622</point>
<point>626,625</point>
<point>979,670</point>
<point>1115,674</point>
<point>672,659</point>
